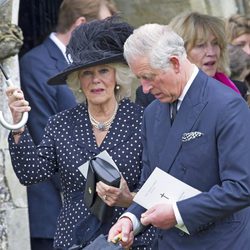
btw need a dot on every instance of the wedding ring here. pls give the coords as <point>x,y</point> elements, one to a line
<point>105,197</point>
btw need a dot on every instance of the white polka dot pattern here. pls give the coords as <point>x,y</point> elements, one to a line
<point>68,143</point>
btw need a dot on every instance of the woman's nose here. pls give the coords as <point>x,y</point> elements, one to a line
<point>96,79</point>
<point>210,50</point>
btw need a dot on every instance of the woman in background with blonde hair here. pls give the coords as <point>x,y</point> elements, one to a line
<point>205,43</point>
<point>238,31</point>
<point>238,38</point>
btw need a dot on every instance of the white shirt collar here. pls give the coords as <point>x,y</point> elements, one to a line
<point>59,44</point>
<point>187,86</point>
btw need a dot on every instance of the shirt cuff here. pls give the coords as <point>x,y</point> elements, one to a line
<point>177,215</point>
<point>180,223</point>
<point>137,226</point>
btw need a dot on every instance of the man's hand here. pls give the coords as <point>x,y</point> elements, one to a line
<point>161,216</point>
<point>125,227</point>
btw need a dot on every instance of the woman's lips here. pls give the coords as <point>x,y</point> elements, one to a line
<point>96,91</point>
<point>209,64</point>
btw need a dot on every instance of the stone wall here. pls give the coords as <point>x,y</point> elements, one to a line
<point>138,12</point>
<point>14,228</point>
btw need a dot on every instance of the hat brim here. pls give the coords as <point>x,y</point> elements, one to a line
<point>62,77</point>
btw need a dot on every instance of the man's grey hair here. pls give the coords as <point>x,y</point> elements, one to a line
<point>156,42</point>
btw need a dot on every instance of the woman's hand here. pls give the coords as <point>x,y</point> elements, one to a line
<point>17,103</point>
<point>113,196</point>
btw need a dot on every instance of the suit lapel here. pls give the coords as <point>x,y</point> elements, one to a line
<point>162,124</point>
<point>56,54</point>
<point>120,132</point>
<point>82,130</point>
<point>193,104</point>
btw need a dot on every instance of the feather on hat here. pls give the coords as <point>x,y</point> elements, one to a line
<point>95,43</point>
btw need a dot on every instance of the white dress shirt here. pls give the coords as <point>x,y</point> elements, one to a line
<point>59,44</point>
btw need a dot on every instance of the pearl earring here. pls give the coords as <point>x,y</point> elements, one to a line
<point>117,87</point>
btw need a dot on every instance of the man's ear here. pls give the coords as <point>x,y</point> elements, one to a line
<point>80,20</point>
<point>174,60</point>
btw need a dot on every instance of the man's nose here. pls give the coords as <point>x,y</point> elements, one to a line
<point>146,88</point>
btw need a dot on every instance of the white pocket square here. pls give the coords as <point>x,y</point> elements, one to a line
<point>191,135</point>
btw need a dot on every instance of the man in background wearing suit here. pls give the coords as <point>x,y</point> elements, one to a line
<point>36,67</point>
<point>207,146</point>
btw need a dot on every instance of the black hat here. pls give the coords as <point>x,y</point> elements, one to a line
<point>95,43</point>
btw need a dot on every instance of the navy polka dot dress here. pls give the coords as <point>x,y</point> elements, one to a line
<point>67,144</point>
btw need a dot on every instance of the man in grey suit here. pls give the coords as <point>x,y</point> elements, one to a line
<point>36,67</point>
<point>207,146</point>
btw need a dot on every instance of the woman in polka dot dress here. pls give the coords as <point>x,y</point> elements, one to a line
<point>105,119</point>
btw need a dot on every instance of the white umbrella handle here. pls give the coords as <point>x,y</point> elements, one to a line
<point>18,125</point>
<point>25,115</point>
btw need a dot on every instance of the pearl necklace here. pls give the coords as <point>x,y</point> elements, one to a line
<point>103,126</point>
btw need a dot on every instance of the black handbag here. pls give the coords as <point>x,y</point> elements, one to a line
<point>100,170</point>
<point>100,243</point>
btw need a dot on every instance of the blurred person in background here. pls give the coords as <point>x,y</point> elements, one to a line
<point>238,34</point>
<point>238,31</point>
<point>240,68</point>
<point>36,67</point>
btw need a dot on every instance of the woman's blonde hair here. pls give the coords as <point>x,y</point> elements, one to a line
<point>124,79</point>
<point>236,26</point>
<point>195,28</point>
